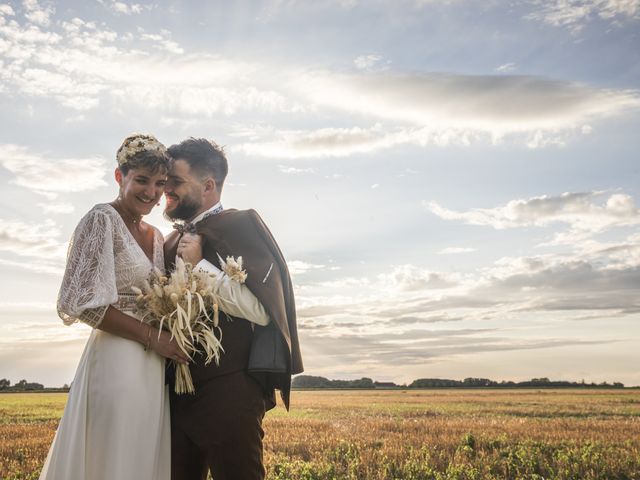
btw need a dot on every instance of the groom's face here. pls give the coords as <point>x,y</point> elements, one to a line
<point>183,191</point>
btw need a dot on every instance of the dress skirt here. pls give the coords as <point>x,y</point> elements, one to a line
<point>116,421</point>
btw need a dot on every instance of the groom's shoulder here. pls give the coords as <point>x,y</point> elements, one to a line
<point>235,215</point>
<point>240,221</point>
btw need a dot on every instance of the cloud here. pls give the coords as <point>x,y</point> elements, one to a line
<point>124,8</point>
<point>294,170</point>
<point>84,66</point>
<point>31,240</point>
<point>410,277</point>
<point>36,13</point>
<point>325,142</point>
<point>370,62</point>
<point>413,319</point>
<point>57,208</point>
<point>596,277</point>
<point>453,250</point>
<point>342,142</point>
<point>584,212</point>
<point>6,10</point>
<point>297,267</point>
<point>575,14</point>
<point>81,65</point>
<point>420,347</point>
<point>43,174</point>
<point>163,40</point>
<point>36,265</point>
<point>506,67</point>
<point>421,108</point>
<point>495,105</point>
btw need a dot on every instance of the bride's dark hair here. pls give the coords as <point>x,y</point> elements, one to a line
<point>153,161</point>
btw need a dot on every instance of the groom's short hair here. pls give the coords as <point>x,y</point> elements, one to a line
<point>204,157</point>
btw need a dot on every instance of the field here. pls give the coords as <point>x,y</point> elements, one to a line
<point>430,434</point>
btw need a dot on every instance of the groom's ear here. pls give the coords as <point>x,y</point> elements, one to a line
<point>210,185</point>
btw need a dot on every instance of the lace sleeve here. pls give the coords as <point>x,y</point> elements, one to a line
<point>89,283</point>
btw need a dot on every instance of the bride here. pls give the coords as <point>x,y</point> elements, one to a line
<point>116,421</point>
<point>115,425</point>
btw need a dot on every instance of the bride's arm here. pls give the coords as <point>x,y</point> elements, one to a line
<point>89,287</point>
<point>122,325</point>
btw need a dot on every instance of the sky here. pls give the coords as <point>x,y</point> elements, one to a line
<point>454,183</point>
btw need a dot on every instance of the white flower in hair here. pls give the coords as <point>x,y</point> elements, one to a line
<point>138,143</point>
<point>233,268</point>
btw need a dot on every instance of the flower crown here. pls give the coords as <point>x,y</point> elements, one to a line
<point>138,143</point>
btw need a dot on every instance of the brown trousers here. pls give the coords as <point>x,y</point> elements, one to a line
<point>218,429</point>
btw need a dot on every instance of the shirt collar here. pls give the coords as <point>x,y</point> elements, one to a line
<point>217,208</point>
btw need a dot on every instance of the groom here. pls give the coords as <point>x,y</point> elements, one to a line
<point>219,428</point>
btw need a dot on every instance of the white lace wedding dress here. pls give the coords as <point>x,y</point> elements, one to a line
<point>115,425</point>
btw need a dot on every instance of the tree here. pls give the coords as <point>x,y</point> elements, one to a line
<point>310,381</point>
<point>4,383</point>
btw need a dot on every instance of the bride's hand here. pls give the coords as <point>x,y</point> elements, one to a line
<point>166,347</point>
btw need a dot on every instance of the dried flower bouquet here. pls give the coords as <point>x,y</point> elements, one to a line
<point>184,304</point>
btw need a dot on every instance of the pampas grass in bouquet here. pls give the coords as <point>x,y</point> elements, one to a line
<point>185,305</point>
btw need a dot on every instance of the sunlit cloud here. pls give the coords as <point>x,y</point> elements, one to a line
<point>6,10</point>
<point>163,41</point>
<point>583,211</point>
<point>506,67</point>
<point>43,174</point>
<point>575,14</point>
<point>81,64</point>
<point>410,277</point>
<point>325,142</point>
<point>294,170</point>
<point>497,105</point>
<point>84,66</point>
<point>371,62</point>
<point>123,8</point>
<point>442,109</point>
<point>57,208</point>
<point>297,267</point>
<point>38,240</point>
<point>37,14</point>
<point>35,265</point>
<point>454,250</point>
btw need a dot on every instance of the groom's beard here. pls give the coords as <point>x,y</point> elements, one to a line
<point>187,209</point>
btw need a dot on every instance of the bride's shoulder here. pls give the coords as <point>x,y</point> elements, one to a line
<point>105,208</point>
<point>100,213</point>
<point>100,209</point>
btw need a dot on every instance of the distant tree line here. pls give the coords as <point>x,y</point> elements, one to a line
<point>310,381</point>
<point>21,386</point>
<point>24,386</point>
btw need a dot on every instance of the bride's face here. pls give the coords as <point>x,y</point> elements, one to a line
<point>141,189</point>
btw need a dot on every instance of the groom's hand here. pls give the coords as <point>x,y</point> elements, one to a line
<point>190,248</point>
